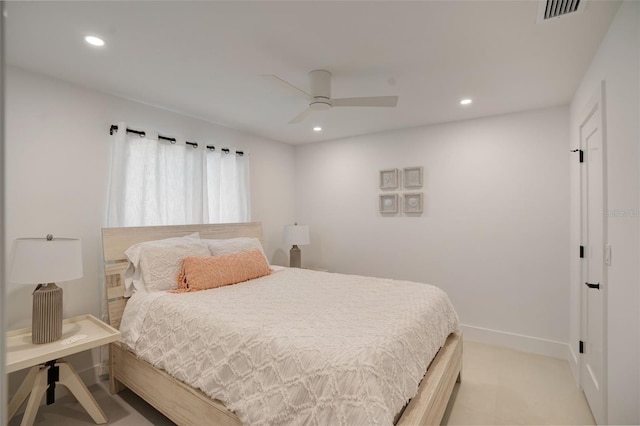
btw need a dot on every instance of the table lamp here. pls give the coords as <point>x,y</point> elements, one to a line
<point>44,261</point>
<point>295,235</point>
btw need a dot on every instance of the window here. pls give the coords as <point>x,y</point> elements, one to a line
<point>157,182</point>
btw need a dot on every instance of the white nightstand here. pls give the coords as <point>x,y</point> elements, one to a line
<point>47,367</point>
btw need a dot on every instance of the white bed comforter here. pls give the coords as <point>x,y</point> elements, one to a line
<point>298,346</point>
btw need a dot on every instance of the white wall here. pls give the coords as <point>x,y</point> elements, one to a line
<point>57,159</point>
<point>495,228</point>
<point>617,63</point>
<point>3,299</point>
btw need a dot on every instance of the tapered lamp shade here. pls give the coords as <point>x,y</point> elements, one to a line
<point>296,235</point>
<point>45,261</point>
<point>41,261</point>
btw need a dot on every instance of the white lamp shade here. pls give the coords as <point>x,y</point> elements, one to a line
<point>296,235</point>
<point>42,261</point>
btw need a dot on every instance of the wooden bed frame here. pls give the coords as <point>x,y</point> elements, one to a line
<point>185,405</point>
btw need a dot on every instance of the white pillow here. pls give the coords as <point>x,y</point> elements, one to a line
<point>154,265</point>
<point>234,245</point>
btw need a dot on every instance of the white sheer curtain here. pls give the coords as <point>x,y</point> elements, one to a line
<point>158,183</point>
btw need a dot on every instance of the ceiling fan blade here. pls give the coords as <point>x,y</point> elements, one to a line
<point>286,85</point>
<point>372,101</point>
<point>302,116</point>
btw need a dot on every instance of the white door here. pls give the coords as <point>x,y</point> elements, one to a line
<point>593,235</point>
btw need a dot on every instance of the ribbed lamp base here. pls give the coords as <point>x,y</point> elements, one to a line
<point>46,324</point>
<point>295,257</point>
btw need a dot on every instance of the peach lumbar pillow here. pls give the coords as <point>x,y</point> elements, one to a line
<point>203,273</point>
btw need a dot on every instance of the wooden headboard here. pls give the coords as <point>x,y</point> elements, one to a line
<point>115,241</point>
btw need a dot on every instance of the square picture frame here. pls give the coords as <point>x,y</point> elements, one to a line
<point>389,179</point>
<point>412,177</point>
<point>413,202</point>
<point>388,203</point>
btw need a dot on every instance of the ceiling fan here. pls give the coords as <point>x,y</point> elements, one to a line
<point>320,96</point>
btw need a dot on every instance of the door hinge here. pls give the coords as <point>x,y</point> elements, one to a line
<point>581,252</point>
<point>581,347</point>
<point>581,154</point>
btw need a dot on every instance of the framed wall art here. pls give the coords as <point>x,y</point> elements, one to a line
<point>389,203</point>
<point>389,179</point>
<point>412,177</point>
<point>413,202</point>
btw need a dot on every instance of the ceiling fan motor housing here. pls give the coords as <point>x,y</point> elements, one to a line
<point>320,89</point>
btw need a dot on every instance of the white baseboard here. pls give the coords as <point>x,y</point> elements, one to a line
<point>90,376</point>
<point>573,363</point>
<point>517,341</point>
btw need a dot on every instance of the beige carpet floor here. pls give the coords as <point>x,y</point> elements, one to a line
<point>499,387</point>
<point>505,387</point>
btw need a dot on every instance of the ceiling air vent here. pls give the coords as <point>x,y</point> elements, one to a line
<point>549,9</point>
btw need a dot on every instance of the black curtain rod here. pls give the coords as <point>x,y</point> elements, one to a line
<point>142,134</point>
<point>114,128</point>
<point>164,138</point>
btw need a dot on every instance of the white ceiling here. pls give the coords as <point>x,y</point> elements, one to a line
<point>205,59</point>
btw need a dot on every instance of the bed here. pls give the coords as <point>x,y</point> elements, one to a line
<point>187,405</point>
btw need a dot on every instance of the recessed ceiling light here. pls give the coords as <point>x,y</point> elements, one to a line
<point>317,129</point>
<point>465,101</point>
<point>94,41</point>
